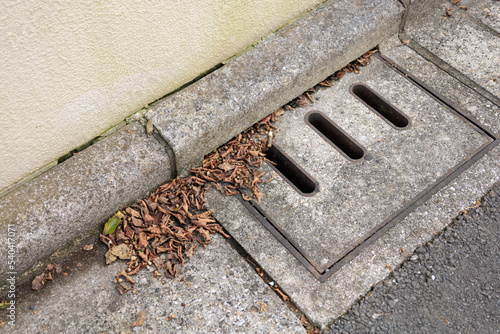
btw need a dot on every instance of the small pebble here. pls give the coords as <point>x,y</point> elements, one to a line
<point>420,250</point>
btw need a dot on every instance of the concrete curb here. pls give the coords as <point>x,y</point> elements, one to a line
<point>210,112</point>
<point>73,199</point>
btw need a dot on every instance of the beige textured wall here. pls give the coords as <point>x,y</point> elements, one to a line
<point>72,69</point>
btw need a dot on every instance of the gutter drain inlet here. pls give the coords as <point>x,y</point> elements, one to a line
<point>294,174</point>
<point>334,135</point>
<point>381,107</point>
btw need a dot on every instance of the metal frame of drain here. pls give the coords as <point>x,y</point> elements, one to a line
<point>324,272</point>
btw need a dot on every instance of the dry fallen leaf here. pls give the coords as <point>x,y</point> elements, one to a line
<point>38,282</point>
<point>141,317</point>
<point>304,321</point>
<point>225,166</point>
<point>122,251</point>
<point>171,317</point>
<point>406,41</point>
<point>88,247</point>
<point>110,258</point>
<point>285,297</point>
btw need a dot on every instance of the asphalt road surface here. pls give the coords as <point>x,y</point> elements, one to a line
<point>450,285</point>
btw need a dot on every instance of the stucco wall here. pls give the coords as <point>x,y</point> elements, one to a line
<point>72,69</point>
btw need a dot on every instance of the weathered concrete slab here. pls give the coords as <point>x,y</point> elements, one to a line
<point>486,112</point>
<point>323,302</point>
<point>229,100</point>
<point>73,199</point>
<point>216,292</point>
<point>484,11</point>
<point>468,40</point>
<point>356,197</point>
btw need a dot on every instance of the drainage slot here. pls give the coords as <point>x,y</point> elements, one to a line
<point>375,102</point>
<point>297,177</point>
<point>334,135</point>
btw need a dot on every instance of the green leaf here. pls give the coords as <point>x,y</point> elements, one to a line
<point>3,305</point>
<point>112,224</point>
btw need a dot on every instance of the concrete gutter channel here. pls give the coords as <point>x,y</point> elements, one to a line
<point>72,200</point>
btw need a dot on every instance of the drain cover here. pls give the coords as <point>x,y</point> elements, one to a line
<point>370,150</point>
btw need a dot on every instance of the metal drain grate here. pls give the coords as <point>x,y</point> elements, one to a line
<point>346,177</point>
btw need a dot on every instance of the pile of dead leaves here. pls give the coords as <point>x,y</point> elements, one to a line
<point>233,168</point>
<point>162,230</point>
<point>166,228</point>
<point>305,98</point>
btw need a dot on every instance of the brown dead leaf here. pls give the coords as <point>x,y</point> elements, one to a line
<point>325,84</point>
<point>301,101</point>
<point>171,317</point>
<point>110,258</point>
<point>88,247</point>
<point>262,307</point>
<point>225,166</point>
<point>141,318</point>
<point>122,251</point>
<point>122,288</point>
<point>126,276</point>
<point>143,241</point>
<point>258,194</point>
<point>171,270</point>
<point>133,212</point>
<point>137,222</point>
<point>277,113</point>
<point>283,296</point>
<point>339,74</point>
<point>454,2</point>
<point>38,282</point>
<point>406,41</point>
<point>190,249</point>
<point>158,262</point>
